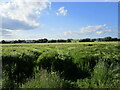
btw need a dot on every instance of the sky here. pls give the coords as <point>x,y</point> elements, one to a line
<point>25,19</point>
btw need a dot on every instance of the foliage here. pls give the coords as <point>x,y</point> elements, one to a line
<point>45,40</point>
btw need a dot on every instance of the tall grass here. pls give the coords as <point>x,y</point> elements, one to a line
<point>17,67</point>
<point>45,79</point>
<point>60,62</point>
<point>81,65</point>
<point>102,77</point>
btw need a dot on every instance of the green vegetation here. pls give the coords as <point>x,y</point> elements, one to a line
<point>61,65</point>
<point>45,80</point>
<point>61,40</point>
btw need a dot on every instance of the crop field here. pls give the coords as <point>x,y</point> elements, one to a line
<point>61,65</point>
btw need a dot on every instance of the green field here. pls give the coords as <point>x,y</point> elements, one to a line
<point>61,65</point>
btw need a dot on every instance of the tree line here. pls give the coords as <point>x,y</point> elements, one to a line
<point>45,40</point>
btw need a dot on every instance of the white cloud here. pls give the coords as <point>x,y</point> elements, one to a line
<point>21,14</point>
<point>62,11</point>
<point>90,30</point>
<point>5,33</point>
<point>98,29</point>
<point>71,33</point>
<point>99,32</point>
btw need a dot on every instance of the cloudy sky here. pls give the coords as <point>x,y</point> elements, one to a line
<point>25,19</point>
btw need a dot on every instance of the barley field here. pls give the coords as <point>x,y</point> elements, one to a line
<point>61,65</point>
